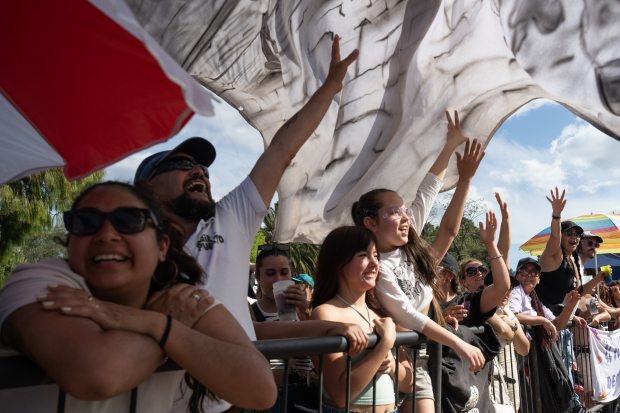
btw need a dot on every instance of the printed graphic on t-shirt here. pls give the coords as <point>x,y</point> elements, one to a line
<point>206,242</point>
<point>411,289</point>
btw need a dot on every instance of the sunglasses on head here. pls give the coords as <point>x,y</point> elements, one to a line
<point>180,162</point>
<point>472,271</point>
<point>596,244</point>
<point>125,220</point>
<point>571,233</point>
<point>269,247</point>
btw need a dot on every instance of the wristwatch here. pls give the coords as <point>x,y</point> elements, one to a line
<point>556,216</point>
<point>515,327</point>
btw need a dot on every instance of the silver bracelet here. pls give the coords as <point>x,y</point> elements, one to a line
<point>499,256</point>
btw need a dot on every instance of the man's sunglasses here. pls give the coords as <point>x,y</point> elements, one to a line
<point>596,244</point>
<point>530,273</point>
<point>180,162</point>
<point>570,233</point>
<point>269,247</point>
<point>472,271</point>
<point>125,220</point>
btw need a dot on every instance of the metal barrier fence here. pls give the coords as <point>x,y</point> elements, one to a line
<point>518,372</point>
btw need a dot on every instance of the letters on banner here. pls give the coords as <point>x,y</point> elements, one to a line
<point>605,362</point>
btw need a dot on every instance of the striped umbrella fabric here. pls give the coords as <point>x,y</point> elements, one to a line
<point>605,226</point>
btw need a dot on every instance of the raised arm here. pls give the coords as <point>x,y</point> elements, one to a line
<point>494,294</point>
<point>454,139</point>
<point>270,167</point>
<point>552,255</point>
<point>467,166</point>
<point>503,242</point>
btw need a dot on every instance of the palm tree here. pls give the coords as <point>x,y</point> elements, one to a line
<point>303,256</point>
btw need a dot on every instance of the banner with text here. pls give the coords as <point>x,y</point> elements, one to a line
<point>605,362</point>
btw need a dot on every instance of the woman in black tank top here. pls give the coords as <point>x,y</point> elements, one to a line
<point>559,262</point>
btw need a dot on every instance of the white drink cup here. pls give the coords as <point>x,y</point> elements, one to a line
<point>286,311</point>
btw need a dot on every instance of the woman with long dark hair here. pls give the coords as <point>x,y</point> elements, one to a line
<point>101,322</point>
<point>346,274</point>
<point>408,282</point>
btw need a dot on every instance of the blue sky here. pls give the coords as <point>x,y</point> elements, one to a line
<point>540,146</point>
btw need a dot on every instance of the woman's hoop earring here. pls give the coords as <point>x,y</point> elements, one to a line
<point>176,272</point>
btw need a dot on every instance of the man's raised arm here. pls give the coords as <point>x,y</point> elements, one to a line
<point>270,167</point>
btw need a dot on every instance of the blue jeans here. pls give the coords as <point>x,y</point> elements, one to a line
<point>566,344</point>
<point>330,409</point>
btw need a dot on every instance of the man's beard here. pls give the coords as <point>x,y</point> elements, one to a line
<point>192,209</point>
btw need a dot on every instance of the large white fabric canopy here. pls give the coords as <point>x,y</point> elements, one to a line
<point>485,58</point>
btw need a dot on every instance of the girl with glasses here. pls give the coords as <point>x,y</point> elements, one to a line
<point>101,322</point>
<point>408,280</point>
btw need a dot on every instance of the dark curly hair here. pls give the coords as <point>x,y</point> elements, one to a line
<point>187,268</point>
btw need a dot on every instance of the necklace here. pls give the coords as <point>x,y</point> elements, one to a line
<point>368,320</point>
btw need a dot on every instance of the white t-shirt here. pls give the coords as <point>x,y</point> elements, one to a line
<point>156,394</point>
<point>401,291</point>
<point>222,246</point>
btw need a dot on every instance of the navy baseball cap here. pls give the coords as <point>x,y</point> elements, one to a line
<point>527,260</point>
<point>566,225</point>
<point>200,149</point>
<point>450,263</point>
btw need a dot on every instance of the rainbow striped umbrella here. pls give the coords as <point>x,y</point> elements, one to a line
<point>605,226</point>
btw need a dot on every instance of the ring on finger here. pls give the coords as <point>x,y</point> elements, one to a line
<point>96,306</point>
<point>196,297</point>
<point>90,298</point>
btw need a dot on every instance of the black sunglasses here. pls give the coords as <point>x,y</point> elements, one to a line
<point>472,271</point>
<point>269,247</point>
<point>596,244</point>
<point>180,162</point>
<point>125,220</point>
<point>573,233</point>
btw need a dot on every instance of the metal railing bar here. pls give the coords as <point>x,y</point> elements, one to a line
<point>374,394</point>
<point>348,395</point>
<point>436,380</point>
<point>321,384</point>
<point>396,375</point>
<point>285,384</point>
<point>415,360</point>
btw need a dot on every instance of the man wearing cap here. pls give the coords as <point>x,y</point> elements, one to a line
<point>220,235</point>
<point>587,250</point>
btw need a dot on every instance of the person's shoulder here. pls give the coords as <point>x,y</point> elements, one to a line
<point>326,311</point>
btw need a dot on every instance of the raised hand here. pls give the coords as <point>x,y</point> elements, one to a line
<point>468,163</point>
<point>503,206</point>
<point>337,67</point>
<point>454,135</point>
<point>487,235</point>
<point>573,299</point>
<point>557,202</point>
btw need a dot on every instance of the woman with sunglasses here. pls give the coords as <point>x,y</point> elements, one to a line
<point>408,282</point>
<point>559,263</point>
<point>101,322</point>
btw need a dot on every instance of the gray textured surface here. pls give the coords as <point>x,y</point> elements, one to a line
<point>417,58</point>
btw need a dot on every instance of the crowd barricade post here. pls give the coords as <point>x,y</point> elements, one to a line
<point>21,372</point>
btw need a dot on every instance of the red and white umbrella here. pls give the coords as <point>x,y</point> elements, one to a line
<point>83,85</point>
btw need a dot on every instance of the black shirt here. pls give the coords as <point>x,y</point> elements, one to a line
<point>554,285</point>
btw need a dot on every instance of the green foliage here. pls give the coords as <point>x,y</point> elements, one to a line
<point>32,206</point>
<point>259,239</point>
<point>467,244</point>
<point>303,256</point>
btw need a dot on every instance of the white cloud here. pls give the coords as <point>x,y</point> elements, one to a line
<point>532,105</point>
<point>126,169</point>
<point>594,188</point>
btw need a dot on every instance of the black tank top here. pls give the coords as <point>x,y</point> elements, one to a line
<point>554,285</point>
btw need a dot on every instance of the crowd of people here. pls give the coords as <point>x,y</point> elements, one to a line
<point>158,270</point>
